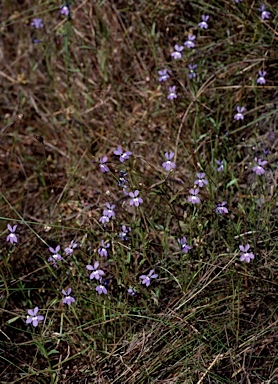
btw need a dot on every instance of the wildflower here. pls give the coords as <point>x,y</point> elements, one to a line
<point>101,288</point>
<point>97,273</point>
<point>131,292</point>
<point>190,41</point>
<point>203,24</point>
<point>246,256</point>
<point>264,14</point>
<point>220,164</point>
<point>192,74</point>
<point>37,23</point>
<point>123,155</point>
<point>177,53</point>
<point>67,299</point>
<point>56,256</point>
<point>33,318</point>
<point>239,114</point>
<point>110,211</point>
<point>65,10</point>
<point>122,180</point>
<point>163,75</point>
<point>172,93</point>
<point>168,165</point>
<point>134,199</point>
<point>105,217</point>
<point>12,238</point>
<point>193,198</point>
<point>69,250</point>
<point>103,167</point>
<point>102,251</point>
<point>259,168</point>
<point>236,1</point>
<point>146,279</point>
<point>201,181</point>
<point>124,234</point>
<point>183,244</point>
<point>220,209</point>
<point>261,79</point>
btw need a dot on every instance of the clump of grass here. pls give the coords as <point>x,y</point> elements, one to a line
<point>139,201</point>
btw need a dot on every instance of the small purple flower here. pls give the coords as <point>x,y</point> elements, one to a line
<point>236,1</point>
<point>201,179</point>
<point>172,93</point>
<point>168,165</point>
<point>220,209</point>
<point>102,164</point>
<point>264,14</point>
<point>134,199</point>
<point>259,168</point>
<point>97,273</point>
<point>203,24</point>
<point>101,288</point>
<point>110,210</point>
<point>37,23</point>
<point>56,256</point>
<point>239,114</point>
<point>189,43</point>
<point>261,79</point>
<point>246,256</point>
<point>105,217</point>
<point>183,244</point>
<point>163,75</point>
<point>123,155</point>
<point>146,279</point>
<point>33,318</point>
<point>192,74</point>
<point>124,233</point>
<point>131,292</point>
<point>102,251</point>
<point>177,53</point>
<point>67,299</point>
<point>193,198</point>
<point>12,238</point>
<point>220,164</point>
<point>69,250</point>
<point>65,10</point>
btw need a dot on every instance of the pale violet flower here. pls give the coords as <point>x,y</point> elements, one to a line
<point>172,93</point>
<point>135,199</point>
<point>97,273</point>
<point>189,43</point>
<point>183,245</point>
<point>146,279</point>
<point>261,79</point>
<point>221,209</point>
<point>101,288</point>
<point>169,165</point>
<point>163,75</point>
<point>246,256</point>
<point>67,299</point>
<point>259,168</point>
<point>264,14</point>
<point>177,53</point>
<point>12,238</point>
<point>70,248</point>
<point>123,155</point>
<point>203,24</point>
<point>33,317</point>
<point>194,198</point>
<point>201,179</point>
<point>239,115</point>
<point>192,74</point>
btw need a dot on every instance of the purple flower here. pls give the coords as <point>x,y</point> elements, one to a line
<point>172,93</point>
<point>201,181</point>
<point>192,74</point>
<point>264,14</point>
<point>163,75</point>
<point>203,24</point>
<point>177,53</point>
<point>67,299</point>
<point>33,317</point>
<point>105,217</point>
<point>183,244</point>
<point>239,114</point>
<point>146,279</point>
<point>101,288</point>
<point>189,43</point>
<point>236,1</point>
<point>123,155</point>
<point>124,234</point>
<point>12,238</point>
<point>37,23</point>
<point>69,250</point>
<point>97,273</point>
<point>193,198</point>
<point>102,251</point>
<point>131,292</point>
<point>134,199</point>
<point>56,256</point>
<point>246,256</point>
<point>168,165</point>
<point>220,164</point>
<point>110,211</point>
<point>261,79</point>
<point>103,167</point>
<point>259,168</point>
<point>65,10</point>
<point>220,209</point>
